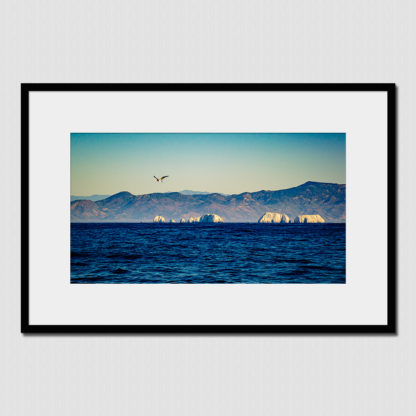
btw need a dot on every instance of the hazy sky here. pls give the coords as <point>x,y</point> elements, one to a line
<point>107,163</point>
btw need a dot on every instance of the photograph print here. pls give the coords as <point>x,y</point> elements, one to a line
<point>199,208</point>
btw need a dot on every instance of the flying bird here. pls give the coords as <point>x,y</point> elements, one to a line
<point>161,179</point>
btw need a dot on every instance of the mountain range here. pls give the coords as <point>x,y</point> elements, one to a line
<point>96,197</point>
<point>188,192</point>
<point>325,199</point>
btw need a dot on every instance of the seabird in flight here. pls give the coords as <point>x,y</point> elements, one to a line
<point>161,179</point>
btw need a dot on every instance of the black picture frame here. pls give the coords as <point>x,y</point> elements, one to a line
<point>389,328</point>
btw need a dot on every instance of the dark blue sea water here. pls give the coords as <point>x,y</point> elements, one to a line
<point>207,253</point>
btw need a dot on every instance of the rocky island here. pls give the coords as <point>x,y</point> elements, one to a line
<point>210,218</point>
<point>193,219</point>
<point>206,218</point>
<point>158,218</point>
<point>266,218</point>
<point>274,217</point>
<point>277,218</point>
<point>308,219</point>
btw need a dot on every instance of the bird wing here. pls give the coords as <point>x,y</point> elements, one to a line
<point>156,178</point>
<point>163,177</point>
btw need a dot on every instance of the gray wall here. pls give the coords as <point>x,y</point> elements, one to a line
<point>205,41</point>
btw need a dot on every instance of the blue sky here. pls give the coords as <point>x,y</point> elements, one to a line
<point>107,163</point>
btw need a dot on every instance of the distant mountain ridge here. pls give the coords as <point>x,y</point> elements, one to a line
<point>189,192</point>
<point>89,197</point>
<point>96,197</point>
<point>325,199</point>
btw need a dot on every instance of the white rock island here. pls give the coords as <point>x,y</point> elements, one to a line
<point>274,218</point>
<point>159,218</point>
<point>193,219</point>
<point>210,218</point>
<point>308,219</point>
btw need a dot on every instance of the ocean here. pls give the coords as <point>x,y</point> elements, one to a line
<point>207,253</point>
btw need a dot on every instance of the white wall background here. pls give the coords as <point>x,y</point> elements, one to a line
<point>205,41</point>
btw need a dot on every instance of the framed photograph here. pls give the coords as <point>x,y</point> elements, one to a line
<point>208,208</point>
